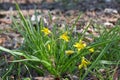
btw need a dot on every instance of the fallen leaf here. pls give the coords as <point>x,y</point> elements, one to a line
<point>2,40</point>
<point>43,78</point>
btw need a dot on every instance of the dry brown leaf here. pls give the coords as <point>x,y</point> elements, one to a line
<point>2,40</point>
<point>44,78</point>
<point>6,21</point>
<point>116,74</point>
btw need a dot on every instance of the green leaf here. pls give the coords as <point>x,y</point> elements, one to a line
<point>108,62</point>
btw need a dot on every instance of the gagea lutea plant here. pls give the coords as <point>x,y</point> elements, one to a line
<point>59,52</point>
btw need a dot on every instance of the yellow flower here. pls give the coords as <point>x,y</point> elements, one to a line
<point>91,49</point>
<point>80,45</point>
<point>69,52</point>
<point>65,37</point>
<point>46,31</point>
<point>84,63</point>
<point>48,47</point>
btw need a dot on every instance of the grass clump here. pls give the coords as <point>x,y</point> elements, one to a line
<point>59,52</point>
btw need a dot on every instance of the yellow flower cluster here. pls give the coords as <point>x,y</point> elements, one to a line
<point>79,45</point>
<point>91,50</point>
<point>65,37</point>
<point>48,47</point>
<point>84,63</point>
<point>69,52</point>
<point>46,31</point>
